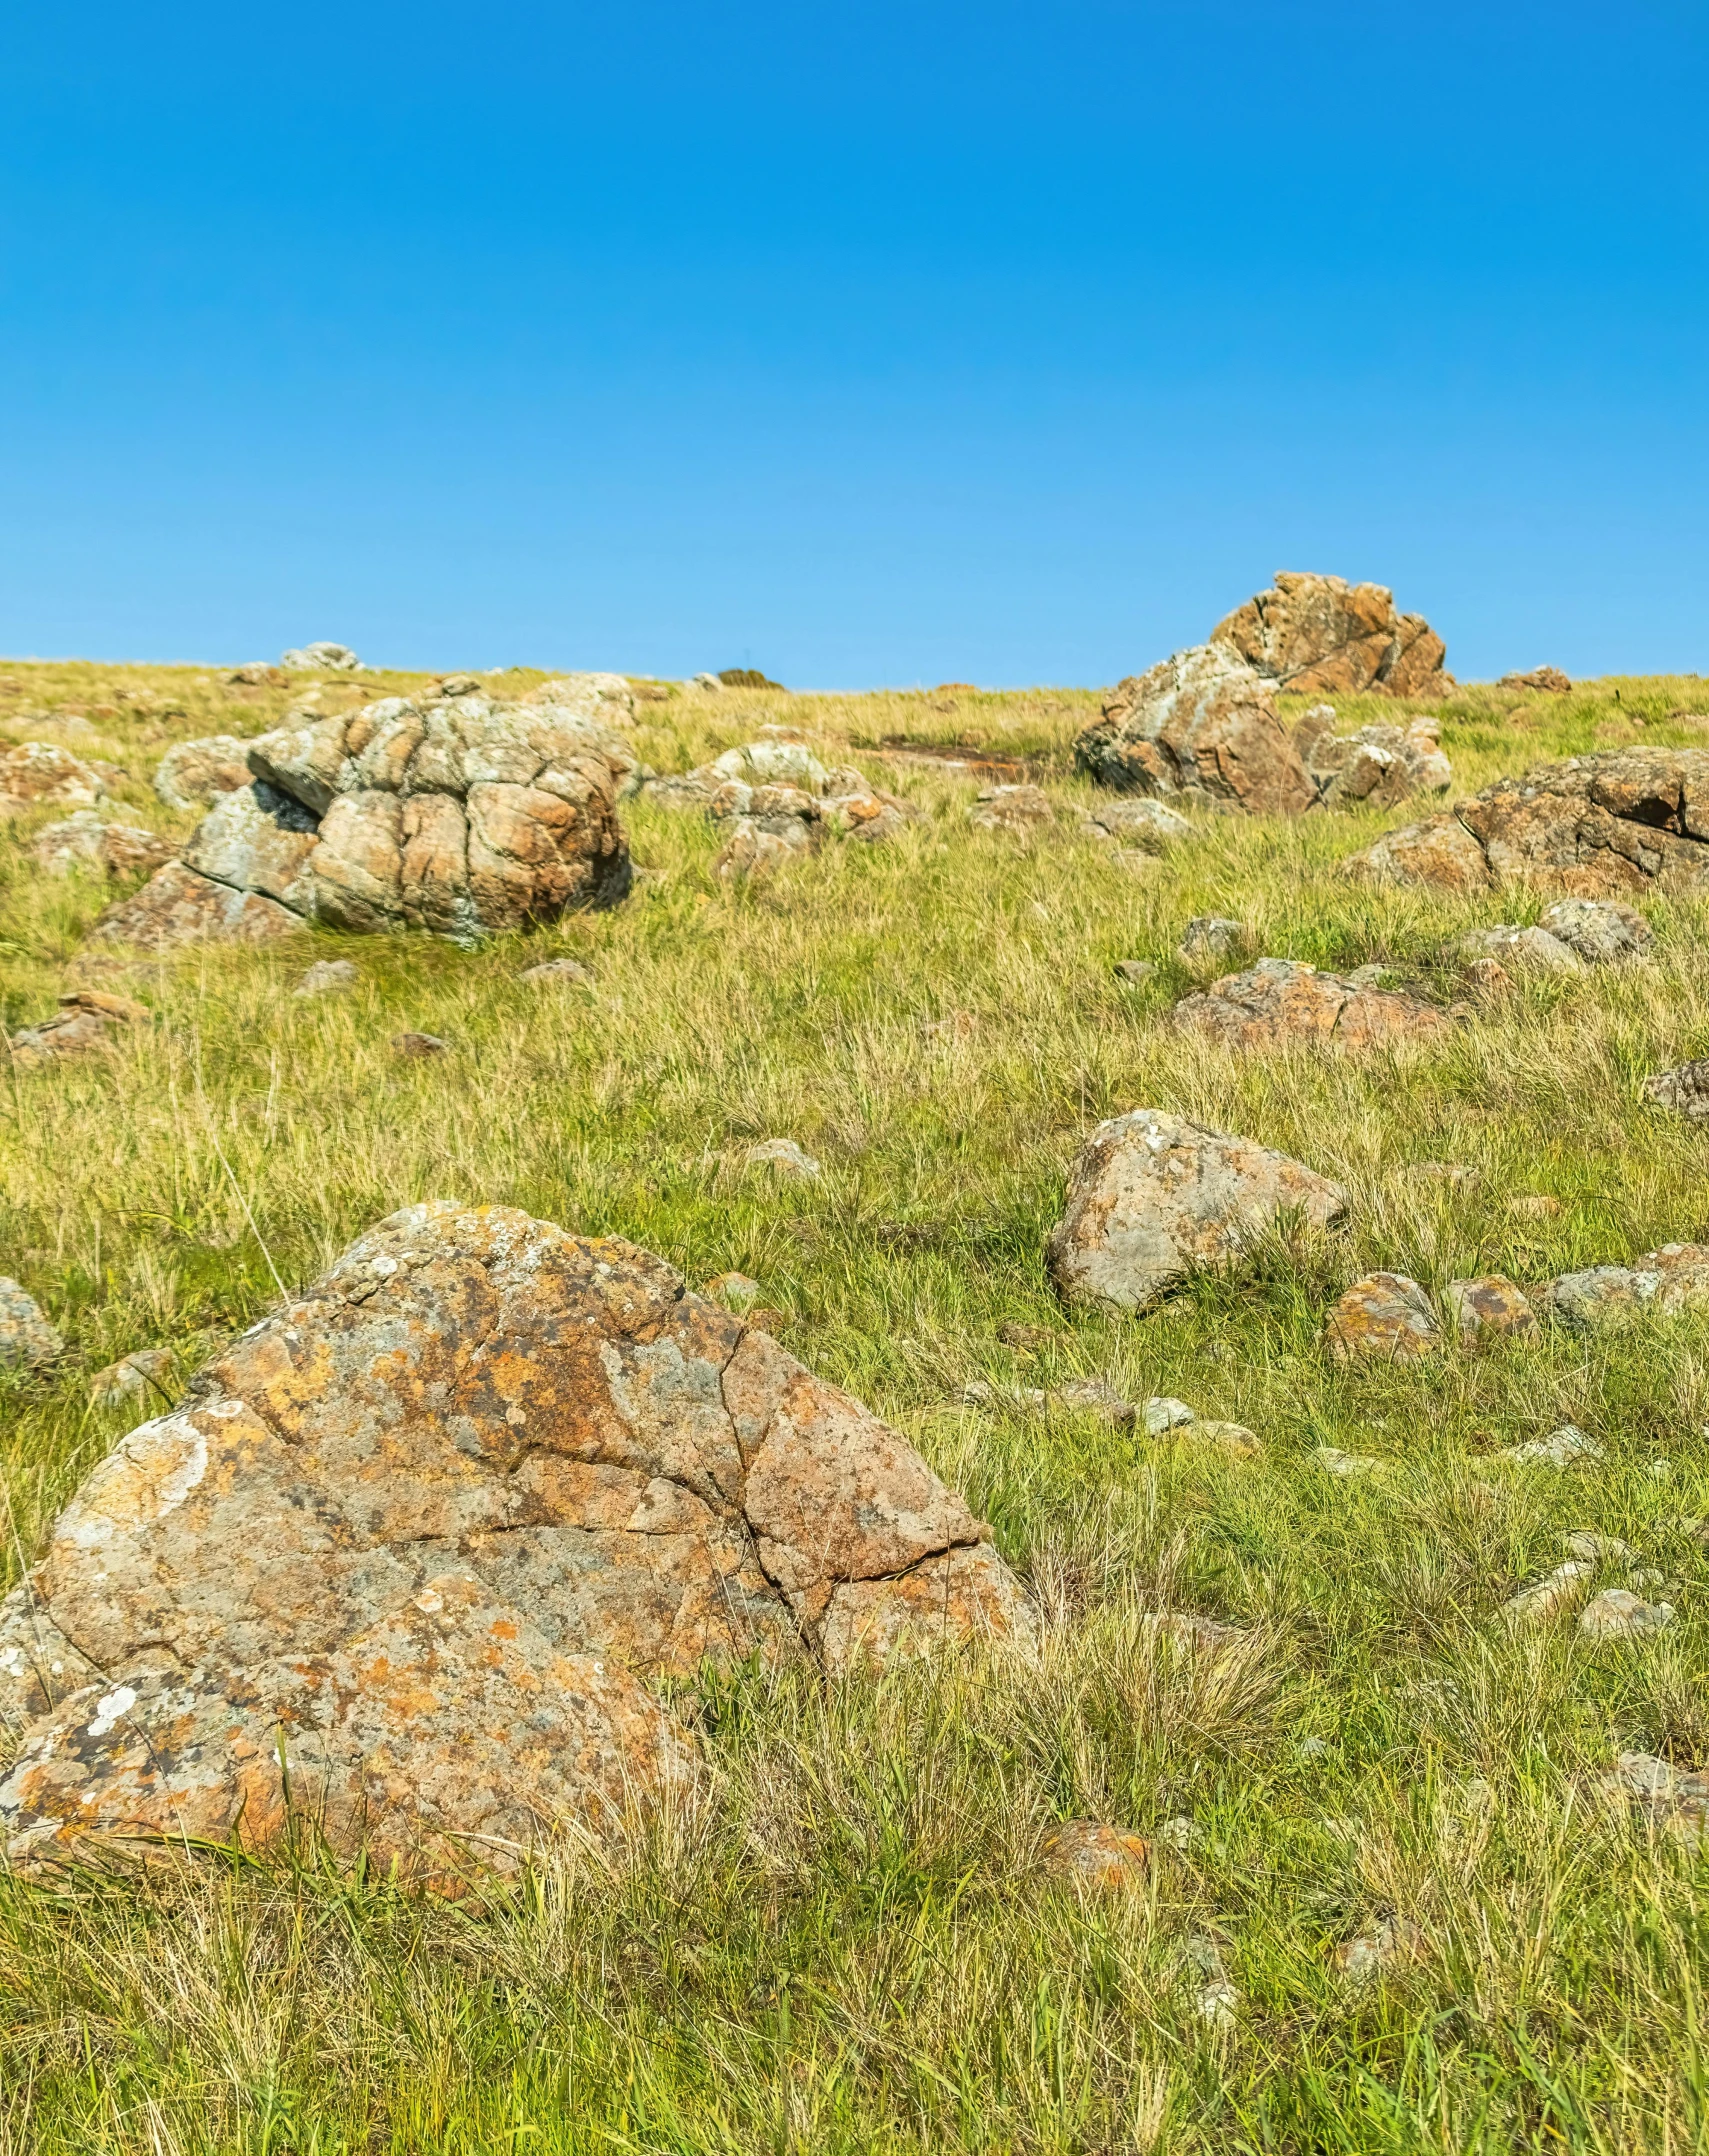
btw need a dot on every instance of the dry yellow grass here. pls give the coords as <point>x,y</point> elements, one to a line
<point>848,1946</point>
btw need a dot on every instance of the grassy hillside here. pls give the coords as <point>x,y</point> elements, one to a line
<point>850,1945</point>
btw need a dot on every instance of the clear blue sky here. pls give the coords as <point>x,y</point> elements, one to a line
<point>872,343</point>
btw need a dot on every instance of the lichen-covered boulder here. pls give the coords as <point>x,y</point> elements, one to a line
<point>37,774</point>
<point>1591,827</point>
<point>421,1543</point>
<point>1152,1196</point>
<point>1201,724</point>
<point>1321,635</point>
<point>462,817</point>
<point>84,841</point>
<point>1281,1002</point>
<point>193,774</point>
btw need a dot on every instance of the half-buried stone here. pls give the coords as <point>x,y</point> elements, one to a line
<point>1281,1001</point>
<point>429,1535</point>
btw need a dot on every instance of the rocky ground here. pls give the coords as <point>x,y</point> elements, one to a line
<point>1338,1783</point>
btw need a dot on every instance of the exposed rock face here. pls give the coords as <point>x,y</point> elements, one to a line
<point>321,657</point>
<point>1379,764</point>
<point>83,841</point>
<point>434,1527</point>
<point>463,818</point>
<point>36,775</point>
<point>1152,1196</point>
<point>177,907</point>
<point>1280,1002</point>
<point>27,1340</point>
<point>1321,635</point>
<point>192,774</point>
<point>1202,724</point>
<point>86,1020</point>
<point>1385,1317</point>
<point>1592,827</point>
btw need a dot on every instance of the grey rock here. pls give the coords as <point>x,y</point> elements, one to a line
<point>84,841</point>
<point>783,1154</point>
<point>1140,819</point>
<point>1135,971</point>
<point>1092,1396</point>
<point>27,1340</point>
<point>1600,930</point>
<point>1684,1090</point>
<point>1162,1412</point>
<point>1202,724</point>
<point>1380,764</point>
<point>192,774</point>
<point>1211,935</point>
<point>1618,1614</point>
<point>1547,1597</point>
<point>557,973</point>
<point>1561,1448</point>
<point>1153,1196</point>
<point>1011,808</point>
<point>1510,946</point>
<point>321,658</point>
<point>327,977</point>
<point>147,1369</point>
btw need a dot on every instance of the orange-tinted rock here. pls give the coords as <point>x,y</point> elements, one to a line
<point>1379,764</point>
<point>1201,724</point>
<point>177,906</point>
<point>1093,1854</point>
<point>85,1020</point>
<point>1491,1304</point>
<point>38,775</point>
<point>1320,635</point>
<point>1385,1317</point>
<point>1549,679</point>
<point>84,841</point>
<point>193,774</point>
<point>1281,1002</point>
<point>1592,827</point>
<point>437,1526</point>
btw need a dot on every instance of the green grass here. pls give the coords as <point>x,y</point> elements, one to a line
<point>849,1945</point>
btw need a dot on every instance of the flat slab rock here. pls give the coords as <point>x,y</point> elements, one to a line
<point>1153,1196</point>
<point>1593,827</point>
<point>1280,1002</point>
<point>432,1530</point>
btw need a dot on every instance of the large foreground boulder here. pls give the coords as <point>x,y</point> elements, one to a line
<point>1593,827</point>
<point>1203,725</point>
<point>463,817</point>
<point>412,1551</point>
<point>1153,1197</point>
<point>1320,635</point>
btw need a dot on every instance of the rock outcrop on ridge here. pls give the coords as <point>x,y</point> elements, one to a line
<point>1320,635</point>
<point>409,1553</point>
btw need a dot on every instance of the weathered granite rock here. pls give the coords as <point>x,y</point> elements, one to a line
<point>1549,679</point>
<point>321,657</point>
<point>1153,1196</point>
<point>1090,1853</point>
<point>1549,1596</point>
<point>1281,1001</point>
<point>144,1370</point>
<point>1320,635</point>
<point>1211,935</point>
<point>1663,1796</point>
<point>1601,930</point>
<point>27,1340</point>
<point>36,774</point>
<point>1385,1317</point>
<point>327,977</point>
<point>1491,1304</point>
<point>1379,764</point>
<point>1618,1614</point>
<point>1592,827</point>
<point>1011,808</point>
<point>1668,1281</point>
<point>1684,1090</point>
<point>431,1531</point>
<point>193,774</point>
<point>463,817</point>
<point>1512,946</point>
<point>1137,819</point>
<point>85,1020</point>
<point>177,907</point>
<point>1202,724</point>
<point>84,841</point>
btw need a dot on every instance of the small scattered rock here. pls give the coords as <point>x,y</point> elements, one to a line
<point>1211,935</point>
<point>1533,1205</point>
<point>1216,2002</point>
<point>1281,1001</point>
<point>27,1340</point>
<point>1092,1854</point>
<point>83,840</point>
<point>1550,1595</point>
<point>783,1154</point>
<point>1607,1298</point>
<point>130,1375</point>
<point>1164,1413</point>
<point>1617,1613</point>
<point>84,1021</point>
<point>753,852</point>
<point>735,1291</point>
<point>327,977</point>
<point>1233,1438</point>
<point>1601,930</point>
<point>1549,679</point>
<point>458,685</point>
<point>1559,1449</point>
<point>953,1026</point>
<point>419,1045</point>
<point>1138,819</point>
<point>709,682</point>
<point>1675,1801</point>
<point>1137,971</point>
<point>1334,1461</point>
<point>1685,1090</point>
<point>1151,1196</point>
<point>319,658</point>
<point>193,774</point>
<point>1024,1338</point>
<point>1386,1316</point>
<point>557,973</point>
<point>1011,808</point>
<point>1092,1396</point>
<point>256,674</point>
<point>1513,946</point>
<point>1372,976</point>
<point>1392,1941</point>
<point>1379,764</point>
<point>1598,1549</point>
<point>1492,1304</point>
<point>1189,1634</point>
<point>37,775</point>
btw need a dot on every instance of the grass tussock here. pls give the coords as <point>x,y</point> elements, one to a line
<point>848,1941</point>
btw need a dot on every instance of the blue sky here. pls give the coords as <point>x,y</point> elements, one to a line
<point>867,343</point>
